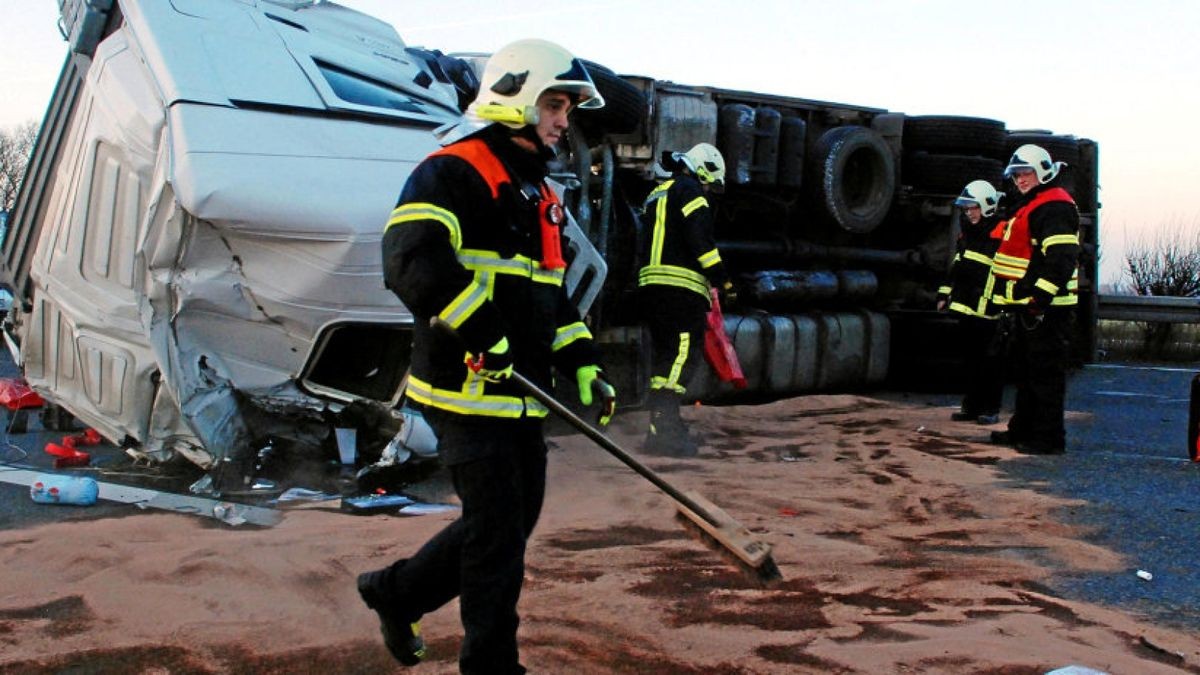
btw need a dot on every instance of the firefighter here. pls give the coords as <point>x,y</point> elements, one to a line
<point>1037,279</point>
<point>475,241</point>
<point>968,294</point>
<point>680,264</point>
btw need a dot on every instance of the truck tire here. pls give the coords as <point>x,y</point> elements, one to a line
<point>853,177</point>
<point>934,174</point>
<point>950,135</point>
<point>624,105</point>
<point>1061,148</point>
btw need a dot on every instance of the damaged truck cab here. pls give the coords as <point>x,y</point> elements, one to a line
<point>196,253</point>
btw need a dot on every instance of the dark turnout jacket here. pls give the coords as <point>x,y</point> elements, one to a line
<point>464,243</point>
<point>968,287</point>
<point>680,251</point>
<point>1038,258</point>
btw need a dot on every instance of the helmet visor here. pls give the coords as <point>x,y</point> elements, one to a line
<point>1012,170</point>
<point>575,80</point>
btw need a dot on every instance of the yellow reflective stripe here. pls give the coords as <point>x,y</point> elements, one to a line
<point>1004,295</point>
<point>978,257</point>
<point>1008,272</point>
<point>685,341</point>
<point>681,273</point>
<point>1059,240</point>
<point>490,261</point>
<point>662,383</point>
<point>709,259</point>
<point>570,333</point>
<point>464,304</point>
<point>479,260</point>
<point>962,309</point>
<point>660,231</point>
<point>1012,261</point>
<point>659,192</point>
<point>669,275</point>
<point>658,197</point>
<point>545,276</point>
<point>943,290</point>
<point>692,206</point>
<point>986,296</point>
<point>1009,266</point>
<point>466,404</point>
<point>1060,300</point>
<point>406,213</point>
<point>1047,286</point>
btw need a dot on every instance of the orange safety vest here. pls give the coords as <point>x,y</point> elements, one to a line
<point>1016,246</point>
<point>550,212</point>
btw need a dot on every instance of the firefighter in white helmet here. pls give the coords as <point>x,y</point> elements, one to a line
<point>475,240</point>
<point>680,265</point>
<point>1037,277</point>
<point>967,294</point>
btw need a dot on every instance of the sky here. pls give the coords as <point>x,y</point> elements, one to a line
<point>1125,74</point>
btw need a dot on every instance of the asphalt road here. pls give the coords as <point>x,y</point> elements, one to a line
<point>1127,458</point>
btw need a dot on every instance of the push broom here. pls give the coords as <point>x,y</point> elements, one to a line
<point>717,528</point>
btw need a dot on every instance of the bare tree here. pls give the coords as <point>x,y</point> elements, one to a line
<point>1165,264</point>
<point>16,146</point>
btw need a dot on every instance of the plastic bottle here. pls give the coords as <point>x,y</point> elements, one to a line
<point>53,488</point>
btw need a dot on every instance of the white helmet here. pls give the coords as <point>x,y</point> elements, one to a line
<point>1030,156</point>
<point>517,74</point>
<point>980,193</point>
<point>706,162</point>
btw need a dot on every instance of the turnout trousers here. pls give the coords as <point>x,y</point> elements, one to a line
<point>982,365</point>
<point>480,557</point>
<point>1041,352</point>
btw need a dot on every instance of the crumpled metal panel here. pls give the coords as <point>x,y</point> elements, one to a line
<point>244,234</point>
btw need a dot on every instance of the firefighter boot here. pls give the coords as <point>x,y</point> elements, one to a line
<point>401,636</point>
<point>668,435</point>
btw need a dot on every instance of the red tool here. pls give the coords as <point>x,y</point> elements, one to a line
<point>67,453</point>
<point>718,348</point>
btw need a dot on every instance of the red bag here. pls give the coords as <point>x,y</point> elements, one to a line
<point>718,348</point>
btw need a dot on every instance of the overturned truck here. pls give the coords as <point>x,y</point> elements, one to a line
<point>195,259</point>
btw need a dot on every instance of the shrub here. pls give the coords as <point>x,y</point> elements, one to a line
<point>1167,264</point>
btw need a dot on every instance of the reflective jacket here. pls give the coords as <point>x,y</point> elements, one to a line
<point>680,251</point>
<point>968,287</point>
<point>1039,251</point>
<point>465,243</point>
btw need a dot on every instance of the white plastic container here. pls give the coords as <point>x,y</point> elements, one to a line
<point>53,488</point>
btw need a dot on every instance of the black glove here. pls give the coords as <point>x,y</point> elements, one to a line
<point>1031,315</point>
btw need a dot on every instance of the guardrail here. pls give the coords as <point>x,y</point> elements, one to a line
<point>1149,308</point>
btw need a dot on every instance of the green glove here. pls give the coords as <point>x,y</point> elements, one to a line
<point>592,376</point>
